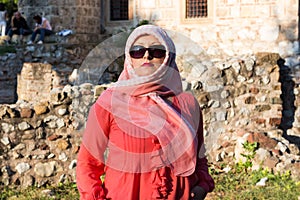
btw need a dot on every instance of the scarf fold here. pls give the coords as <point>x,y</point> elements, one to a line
<point>136,101</point>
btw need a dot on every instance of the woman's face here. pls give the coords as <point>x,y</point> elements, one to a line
<point>147,63</point>
<point>17,15</point>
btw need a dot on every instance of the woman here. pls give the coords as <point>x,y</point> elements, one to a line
<point>42,27</point>
<point>18,26</point>
<point>144,133</point>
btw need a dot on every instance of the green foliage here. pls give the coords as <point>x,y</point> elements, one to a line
<point>143,22</point>
<point>7,49</point>
<point>11,6</point>
<point>9,1</point>
<point>102,177</point>
<point>250,149</point>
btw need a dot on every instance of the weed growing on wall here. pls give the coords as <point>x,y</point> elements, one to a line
<point>250,149</point>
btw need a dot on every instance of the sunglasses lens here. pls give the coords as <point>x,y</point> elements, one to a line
<point>137,51</point>
<point>157,51</point>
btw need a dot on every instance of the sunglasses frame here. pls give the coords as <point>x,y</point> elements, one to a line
<point>155,51</point>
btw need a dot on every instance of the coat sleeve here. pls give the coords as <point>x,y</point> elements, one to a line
<point>194,113</point>
<point>89,169</point>
<point>205,179</point>
<point>88,173</point>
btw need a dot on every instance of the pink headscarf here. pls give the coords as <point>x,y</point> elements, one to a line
<point>136,101</point>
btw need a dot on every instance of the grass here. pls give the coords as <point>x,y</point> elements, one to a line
<point>235,184</point>
<point>60,192</point>
<point>241,184</point>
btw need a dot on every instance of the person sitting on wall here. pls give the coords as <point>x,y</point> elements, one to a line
<point>19,26</point>
<point>42,27</point>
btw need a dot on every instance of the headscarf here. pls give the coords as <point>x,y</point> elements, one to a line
<point>137,106</point>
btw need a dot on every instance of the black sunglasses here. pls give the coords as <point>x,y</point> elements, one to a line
<point>155,51</point>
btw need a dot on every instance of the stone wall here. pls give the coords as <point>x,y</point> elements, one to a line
<point>39,142</point>
<point>241,99</point>
<point>259,108</point>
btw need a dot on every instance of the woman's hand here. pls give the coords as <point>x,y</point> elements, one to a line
<point>198,193</point>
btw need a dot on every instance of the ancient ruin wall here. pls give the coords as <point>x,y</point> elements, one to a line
<point>40,140</point>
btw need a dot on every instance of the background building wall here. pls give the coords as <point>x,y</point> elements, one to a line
<point>81,16</point>
<point>233,26</point>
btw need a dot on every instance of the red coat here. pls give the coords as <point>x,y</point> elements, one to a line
<point>120,185</point>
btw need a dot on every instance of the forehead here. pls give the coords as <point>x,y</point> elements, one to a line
<point>146,40</point>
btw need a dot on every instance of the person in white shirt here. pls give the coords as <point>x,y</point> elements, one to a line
<point>3,15</point>
<point>42,27</point>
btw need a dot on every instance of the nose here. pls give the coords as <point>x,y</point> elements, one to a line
<point>147,55</point>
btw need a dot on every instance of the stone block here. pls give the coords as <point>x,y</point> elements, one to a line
<point>262,108</point>
<point>41,108</point>
<point>270,162</point>
<point>263,140</point>
<point>26,112</point>
<point>63,145</point>
<point>254,90</point>
<point>223,12</point>
<point>34,80</point>
<point>275,121</point>
<point>260,121</point>
<point>250,100</point>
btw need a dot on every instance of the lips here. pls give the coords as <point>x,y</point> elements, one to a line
<point>147,65</point>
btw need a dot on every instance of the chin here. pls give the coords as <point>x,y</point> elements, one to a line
<point>144,72</point>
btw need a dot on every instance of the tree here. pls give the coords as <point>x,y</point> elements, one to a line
<point>11,6</point>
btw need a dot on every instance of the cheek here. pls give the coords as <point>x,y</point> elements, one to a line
<point>159,61</point>
<point>136,63</point>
